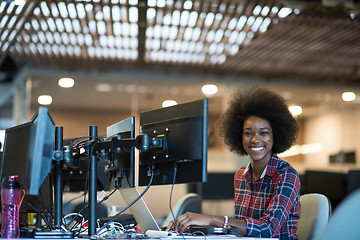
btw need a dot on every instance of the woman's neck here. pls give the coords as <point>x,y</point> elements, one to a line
<point>258,168</point>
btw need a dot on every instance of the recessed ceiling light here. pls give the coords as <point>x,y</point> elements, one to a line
<point>295,110</point>
<point>142,89</point>
<point>209,89</point>
<point>66,82</point>
<point>19,2</point>
<point>130,88</point>
<point>348,96</point>
<point>103,87</point>
<point>45,99</point>
<point>168,103</point>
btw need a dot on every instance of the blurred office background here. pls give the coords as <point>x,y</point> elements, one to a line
<point>128,56</point>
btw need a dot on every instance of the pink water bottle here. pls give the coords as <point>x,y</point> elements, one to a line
<point>10,200</point>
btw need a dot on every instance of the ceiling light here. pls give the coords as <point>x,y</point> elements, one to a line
<point>19,2</point>
<point>130,88</point>
<point>66,82</point>
<point>168,103</point>
<point>142,89</point>
<point>103,87</point>
<point>348,96</point>
<point>45,99</point>
<point>284,12</point>
<point>295,110</point>
<point>209,89</point>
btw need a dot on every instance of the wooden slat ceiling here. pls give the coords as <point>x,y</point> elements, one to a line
<point>270,39</point>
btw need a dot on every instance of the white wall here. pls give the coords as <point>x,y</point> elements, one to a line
<point>336,131</point>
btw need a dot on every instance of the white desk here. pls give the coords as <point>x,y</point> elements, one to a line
<point>213,237</point>
<point>208,237</point>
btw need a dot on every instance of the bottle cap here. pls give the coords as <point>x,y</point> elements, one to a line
<point>10,182</point>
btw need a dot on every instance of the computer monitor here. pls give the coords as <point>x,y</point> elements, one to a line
<point>75,177</point>
<point>219,186</point>
<point>331,184</point>
<point>120,168</point>
<point>40,150</point>
<point>353,181</point>
<point>14,161</point>
<point>28,153</point>
<point>183,129</point>
<point>75,174</point>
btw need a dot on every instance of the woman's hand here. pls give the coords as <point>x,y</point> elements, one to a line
<point>189,219</point>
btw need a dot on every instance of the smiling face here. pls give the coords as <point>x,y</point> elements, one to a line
<point>258,139</point>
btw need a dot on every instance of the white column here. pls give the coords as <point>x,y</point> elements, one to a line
<point>20,98</point>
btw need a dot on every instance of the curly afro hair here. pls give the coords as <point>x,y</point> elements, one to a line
<point>262,103</point>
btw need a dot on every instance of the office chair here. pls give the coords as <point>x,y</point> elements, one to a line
<point>314,215</point>
<point>344,222</point>
<point>191,202</point>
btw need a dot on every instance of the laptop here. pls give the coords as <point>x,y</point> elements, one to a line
<point>140,210</point>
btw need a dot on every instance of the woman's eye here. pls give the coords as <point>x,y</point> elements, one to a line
<point>264,133</point>
<point>247,133</point>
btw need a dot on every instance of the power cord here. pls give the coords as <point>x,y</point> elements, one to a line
<point>132,203</point>
<point>171,194</point>
<point>170,200</point>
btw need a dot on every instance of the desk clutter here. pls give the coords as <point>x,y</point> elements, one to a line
<point>172,146</point>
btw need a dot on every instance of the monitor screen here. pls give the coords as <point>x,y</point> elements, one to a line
<point>28,151</point>
<point>184,128</point>
<point>122,164</point>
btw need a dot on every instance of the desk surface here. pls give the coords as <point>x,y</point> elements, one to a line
<point>138,236</point>
<point>207,237</point>
<point>224,237</point>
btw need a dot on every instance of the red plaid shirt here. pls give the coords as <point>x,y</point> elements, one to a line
<point>271,205</point>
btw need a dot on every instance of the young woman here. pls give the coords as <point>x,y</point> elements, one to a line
<point>267,190</point>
